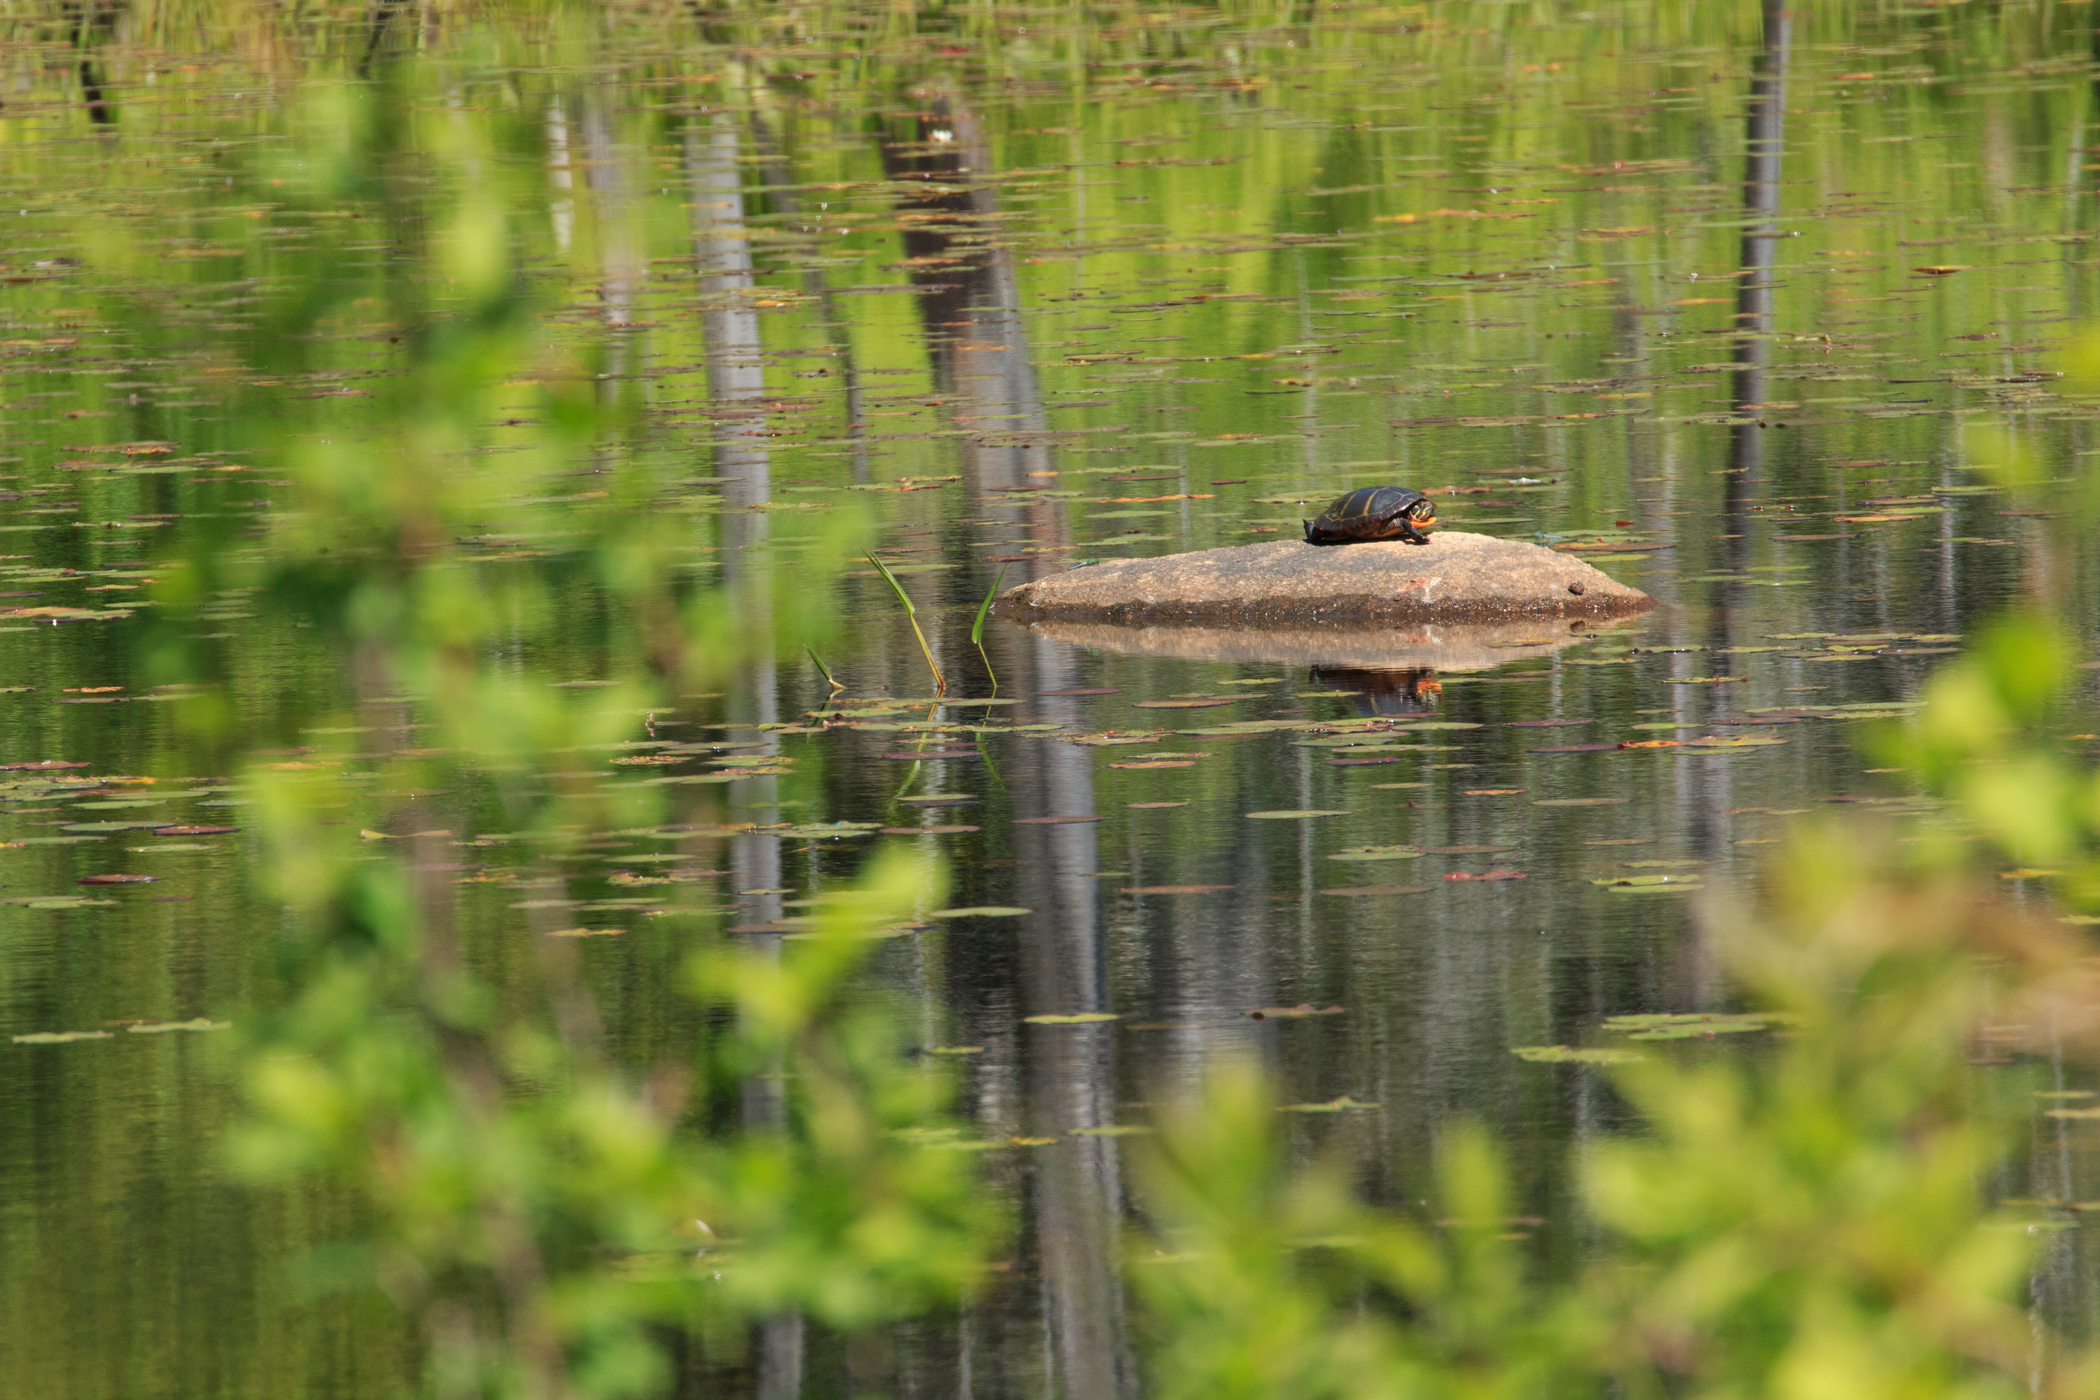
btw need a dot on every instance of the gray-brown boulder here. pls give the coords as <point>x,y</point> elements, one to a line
<point>1457,577</point>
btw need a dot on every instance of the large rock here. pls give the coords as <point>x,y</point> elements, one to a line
<point>1456,577</point>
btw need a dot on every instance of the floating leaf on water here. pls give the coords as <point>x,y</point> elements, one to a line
<point>955,1049</point>
<point>1147,763</point>
<point>1146,806</point>
<point>1081,1018</point>
<point>1564,1055</point>
<point>1691,1028</point>
<point>1378,853</point>
<point>1360,890</point>
<point>195,830</point>
<point>60,1037</point>
<point>1297,813</point>
<point>812,829</point>
<point>1177,889</point>
<point>1344,1104</point>
<point>1652,884</point>
<point>1113,1130</point>
<point>584,932</point>
<point>1109,738</point>
<point>948,799</point>
<point>200,1023</point>
<point>2072,1113</point>
<point>1209,703</point>
<point>1487,875</point>
<point>1291,1013</point>
<point>1579,801</point>
<point>927,830</point>
<point>980,911</point>
<point>1465,850</point>
<point>1032,1141</point>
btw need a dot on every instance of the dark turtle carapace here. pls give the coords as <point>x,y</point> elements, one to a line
<point>1374,513</point>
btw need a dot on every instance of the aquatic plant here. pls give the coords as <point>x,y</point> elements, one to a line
<point>911,613</point>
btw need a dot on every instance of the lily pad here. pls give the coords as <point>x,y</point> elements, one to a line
<point>980,911</point>
<point>1564,1055</point>
<point>1363,890</point>
<point>1344,1104</point>
<point>830,829</point>
<point>1297,813</point>
<point>1376,853</point>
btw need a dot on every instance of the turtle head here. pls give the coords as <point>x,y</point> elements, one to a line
<point>1422,512</point>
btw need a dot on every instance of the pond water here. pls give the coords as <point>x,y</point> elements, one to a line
<point>1766,316</point>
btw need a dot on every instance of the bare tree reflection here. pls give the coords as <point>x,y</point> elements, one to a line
<point>970,307</point>
<point>780,189</point>
<point>1764,144</point>
<point>736,384</point>
<point>1706,788</point>
<point>93,25</point>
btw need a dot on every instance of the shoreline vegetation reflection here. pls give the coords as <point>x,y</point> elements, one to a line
<point>456,936</point>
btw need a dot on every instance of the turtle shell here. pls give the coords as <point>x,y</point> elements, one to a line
<point>1373,513</point>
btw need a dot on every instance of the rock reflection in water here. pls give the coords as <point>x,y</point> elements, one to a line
<point>1425,647</point>
<point>1383,694</point>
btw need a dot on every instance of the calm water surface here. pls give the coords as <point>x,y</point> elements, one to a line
<point>1748,310</point>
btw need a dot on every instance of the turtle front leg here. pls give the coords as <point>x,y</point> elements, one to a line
<point>1409,533</point>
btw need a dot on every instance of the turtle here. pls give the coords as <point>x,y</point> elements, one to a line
<point>1374,513</point>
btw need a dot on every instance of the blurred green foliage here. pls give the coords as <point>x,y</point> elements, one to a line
<point>1800,1223</point>
<point>1804,1221</point>
<point>542,1210</point>
<point>547,1212</point>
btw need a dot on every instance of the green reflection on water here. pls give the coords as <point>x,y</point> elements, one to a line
<point>387,401</point>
